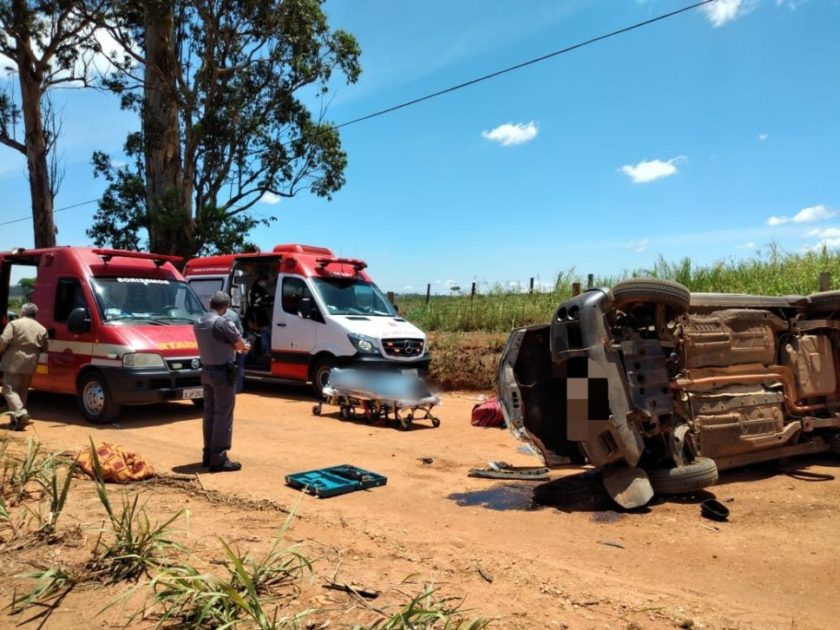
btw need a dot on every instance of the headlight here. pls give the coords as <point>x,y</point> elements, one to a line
<point>143,360</point>
<point>364,344</point>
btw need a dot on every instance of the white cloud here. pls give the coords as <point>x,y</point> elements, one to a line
<point>650,170</point>
<point>747,245</point>
<point>638,246</point>
<point>823,233</point>
<point>723,11</point>
<point>827,237</point>
<point>763,136</point>
<point>270,198</point>
<point>806,215</point>
<point>509,134</point>
<point>813,213</point>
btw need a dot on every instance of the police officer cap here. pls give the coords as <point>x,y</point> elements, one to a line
<point>28,310</point>
<point>219,299</point>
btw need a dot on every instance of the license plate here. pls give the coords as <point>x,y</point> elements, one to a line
<point>413,372</point>
<point>191,393</point>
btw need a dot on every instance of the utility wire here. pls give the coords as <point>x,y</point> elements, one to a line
<point>493,75</point>
<point>460,86</point>
<point>75,205</point>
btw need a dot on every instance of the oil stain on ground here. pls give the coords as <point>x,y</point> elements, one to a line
<point>501,497</point>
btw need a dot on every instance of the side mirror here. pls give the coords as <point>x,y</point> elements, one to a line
<point>78,322</point>
<point>306,308</point>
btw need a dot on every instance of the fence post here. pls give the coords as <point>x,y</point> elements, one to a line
<point>472,292</point>
<point>825,281</point>
<point>575,288</point>
<point>531,289</point>
<point>590,281</point>
<point>391,297</point>
<point>428,292</point>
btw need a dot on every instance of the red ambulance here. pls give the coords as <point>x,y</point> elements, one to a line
<point>119,322</point>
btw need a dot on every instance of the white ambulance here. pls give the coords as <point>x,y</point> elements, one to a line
<point>308,311</point>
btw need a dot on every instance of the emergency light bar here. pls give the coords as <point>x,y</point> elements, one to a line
<point>357,264</point>
<point>158,259</point>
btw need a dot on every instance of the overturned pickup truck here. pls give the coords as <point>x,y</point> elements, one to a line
<point>661,388</point>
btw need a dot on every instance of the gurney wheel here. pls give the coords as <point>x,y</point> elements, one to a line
<point>316,410</point>
<point>344,412</point>
<point>404,425</point>
<point>435,422</point>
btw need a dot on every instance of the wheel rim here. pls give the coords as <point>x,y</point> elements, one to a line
<point>93,398</point>
<point>323,376</point>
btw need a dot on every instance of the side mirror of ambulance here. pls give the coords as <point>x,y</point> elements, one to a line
<point>78,322</point>
<point>306,307</point>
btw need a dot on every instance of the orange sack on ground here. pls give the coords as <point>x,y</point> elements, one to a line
<point>117,465</point>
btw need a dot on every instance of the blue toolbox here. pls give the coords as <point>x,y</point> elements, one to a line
<point>335,480</point>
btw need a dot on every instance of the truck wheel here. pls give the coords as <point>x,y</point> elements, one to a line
<point>640,290</point>
<point>834,445</point>
<point>699,474</point>
<point>95,400</point>
<point>320,374</point>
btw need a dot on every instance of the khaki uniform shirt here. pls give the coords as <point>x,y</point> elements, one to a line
<point>22,341</point>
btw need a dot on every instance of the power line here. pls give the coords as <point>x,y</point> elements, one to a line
<point>460,86</point>
<point>75,205</point>
<point>492,75</point>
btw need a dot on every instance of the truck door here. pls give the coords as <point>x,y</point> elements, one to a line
<point>68,351</point>
<point>294,335</point>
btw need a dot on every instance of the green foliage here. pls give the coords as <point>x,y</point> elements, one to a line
<point>238,69</point>
<point>51,586</point>
<point>425,610</point>
<point>499,309</point>
<point>132,545</point>
<point>253,589</point>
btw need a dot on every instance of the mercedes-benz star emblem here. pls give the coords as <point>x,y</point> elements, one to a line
<point>409,346</point>
<point>195,364</point>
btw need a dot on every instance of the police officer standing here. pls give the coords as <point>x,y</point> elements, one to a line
<point>21,342</point>
<point>218,342</point>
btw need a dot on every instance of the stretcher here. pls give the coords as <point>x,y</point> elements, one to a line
<point>394,397</point>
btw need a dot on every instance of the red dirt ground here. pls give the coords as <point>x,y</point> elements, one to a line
<point>571,561</point>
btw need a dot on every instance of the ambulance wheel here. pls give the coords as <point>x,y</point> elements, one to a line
<point>436,422</point>
<point>95,400</point>
<point>198,402</point>
<point>320,374</point>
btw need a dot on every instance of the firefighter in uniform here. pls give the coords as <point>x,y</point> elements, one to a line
<point>218,342</point>
<point>22,341</point>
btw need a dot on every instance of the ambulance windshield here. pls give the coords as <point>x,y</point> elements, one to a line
<point>348,296</point>
<point>155,300</point>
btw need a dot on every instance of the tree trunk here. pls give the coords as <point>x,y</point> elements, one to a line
<point>170,213</point>
<point>31,80</point>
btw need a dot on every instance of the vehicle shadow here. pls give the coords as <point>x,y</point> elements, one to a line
<point>299,393</point>
<point>796,467</point>
<point>50,407</point>
<point>379,423</point>
<point>581,492</point>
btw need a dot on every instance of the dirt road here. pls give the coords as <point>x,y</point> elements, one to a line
<point>570,560</point>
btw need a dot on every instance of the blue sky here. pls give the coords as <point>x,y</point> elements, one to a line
<point>708,135</point>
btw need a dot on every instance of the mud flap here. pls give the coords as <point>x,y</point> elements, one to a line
<point>629,487</point>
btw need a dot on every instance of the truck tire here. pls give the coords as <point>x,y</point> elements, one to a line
<point>834,445</point>
<point>95,400</point>
<point>823,303</point>
<point>652,290</point>
<point>699,474</point>
<point>320,373</point>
